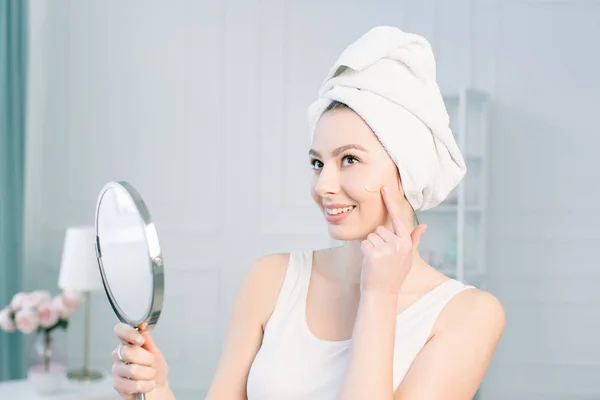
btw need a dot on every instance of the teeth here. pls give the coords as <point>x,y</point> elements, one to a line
<point>334,211</point>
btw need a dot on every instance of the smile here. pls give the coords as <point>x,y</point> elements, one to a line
<point>337,214</point>
<point>335,211</point>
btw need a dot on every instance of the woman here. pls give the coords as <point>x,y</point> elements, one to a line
<point>370,319</point>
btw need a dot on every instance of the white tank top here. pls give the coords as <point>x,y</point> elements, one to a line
<point>293,364</point>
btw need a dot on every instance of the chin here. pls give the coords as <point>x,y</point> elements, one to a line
<point>346,233</point>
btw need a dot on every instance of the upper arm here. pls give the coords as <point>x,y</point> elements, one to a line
<point>453,363</point>
<point>253,306</point>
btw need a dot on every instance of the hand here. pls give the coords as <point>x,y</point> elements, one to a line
<point>144,370</point>
<point>388,254</point>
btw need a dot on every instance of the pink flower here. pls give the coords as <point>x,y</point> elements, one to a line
<point>6,322</point>
<point>72,299</point>
<point>37,298</point>
<point>64,312</point>
<point>48,315</point>
<point>18,300</point>
<point>26,320</point>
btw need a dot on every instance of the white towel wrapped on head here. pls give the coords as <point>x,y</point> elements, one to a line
<point>388,77</point>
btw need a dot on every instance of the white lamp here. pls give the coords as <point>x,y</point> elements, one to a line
<point>79,271</point>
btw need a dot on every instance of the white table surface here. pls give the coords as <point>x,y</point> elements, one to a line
<point>98,390</point>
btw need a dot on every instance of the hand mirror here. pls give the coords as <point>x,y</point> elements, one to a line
<point>129,257</point>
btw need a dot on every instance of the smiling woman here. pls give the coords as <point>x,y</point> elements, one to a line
<point>369,319</point>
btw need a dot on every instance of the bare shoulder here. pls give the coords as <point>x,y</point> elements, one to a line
<point>473,309</point>
<point>262,283</point>
<point>268,267</point>
<point>470,324</point>
<point>253,304</point>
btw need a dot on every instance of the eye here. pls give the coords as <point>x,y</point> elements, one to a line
<point>316,164</point>
<point>349,160</point>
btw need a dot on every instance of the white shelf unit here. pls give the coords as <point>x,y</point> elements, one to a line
<point>455,239</point>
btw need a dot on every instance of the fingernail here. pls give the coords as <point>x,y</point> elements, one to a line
<point>139,340</point>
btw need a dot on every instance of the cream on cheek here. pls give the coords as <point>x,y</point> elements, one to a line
<point>370,210</point>
<point>362,183</point>
<point>371,181</point>
<point>375,174</point>
<point>357,178</point>
<point>372,188</point>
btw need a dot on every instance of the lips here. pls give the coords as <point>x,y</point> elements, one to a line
<point>336,213</point>
<point>338,210</point>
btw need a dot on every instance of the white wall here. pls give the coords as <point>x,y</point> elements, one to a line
<point>201,106</point>
<point>543,196</point>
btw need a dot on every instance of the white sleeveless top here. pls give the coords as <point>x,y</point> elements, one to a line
<point>293,364</point>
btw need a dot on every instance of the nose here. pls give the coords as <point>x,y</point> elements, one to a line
<point>327,182</point>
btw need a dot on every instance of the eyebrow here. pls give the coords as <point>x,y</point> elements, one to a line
<point>339,150</point>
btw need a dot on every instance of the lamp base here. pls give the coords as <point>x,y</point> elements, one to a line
<point>84,376</point>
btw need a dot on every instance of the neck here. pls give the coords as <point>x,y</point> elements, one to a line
<point>345,263</point>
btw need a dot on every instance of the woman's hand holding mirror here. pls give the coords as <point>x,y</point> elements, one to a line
<point>131,265</point>
<point>139,366</point>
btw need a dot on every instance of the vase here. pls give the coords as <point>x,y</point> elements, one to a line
<point>47,366</point>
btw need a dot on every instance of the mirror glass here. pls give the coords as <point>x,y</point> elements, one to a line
<point>124,251</point>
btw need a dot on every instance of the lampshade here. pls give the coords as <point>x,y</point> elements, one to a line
<point>79,267</point>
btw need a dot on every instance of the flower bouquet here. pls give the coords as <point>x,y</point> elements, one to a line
<point>41,313</point>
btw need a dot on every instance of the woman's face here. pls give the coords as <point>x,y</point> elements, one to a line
<point>350,167</point>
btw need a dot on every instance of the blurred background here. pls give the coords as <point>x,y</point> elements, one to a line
<point>201,106</point>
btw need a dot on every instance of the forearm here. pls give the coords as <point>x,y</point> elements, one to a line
<point>369,374</point>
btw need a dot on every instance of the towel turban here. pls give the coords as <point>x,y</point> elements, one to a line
<point>388,77</point>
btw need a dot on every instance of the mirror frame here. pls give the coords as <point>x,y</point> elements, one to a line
<point>155,259</point>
